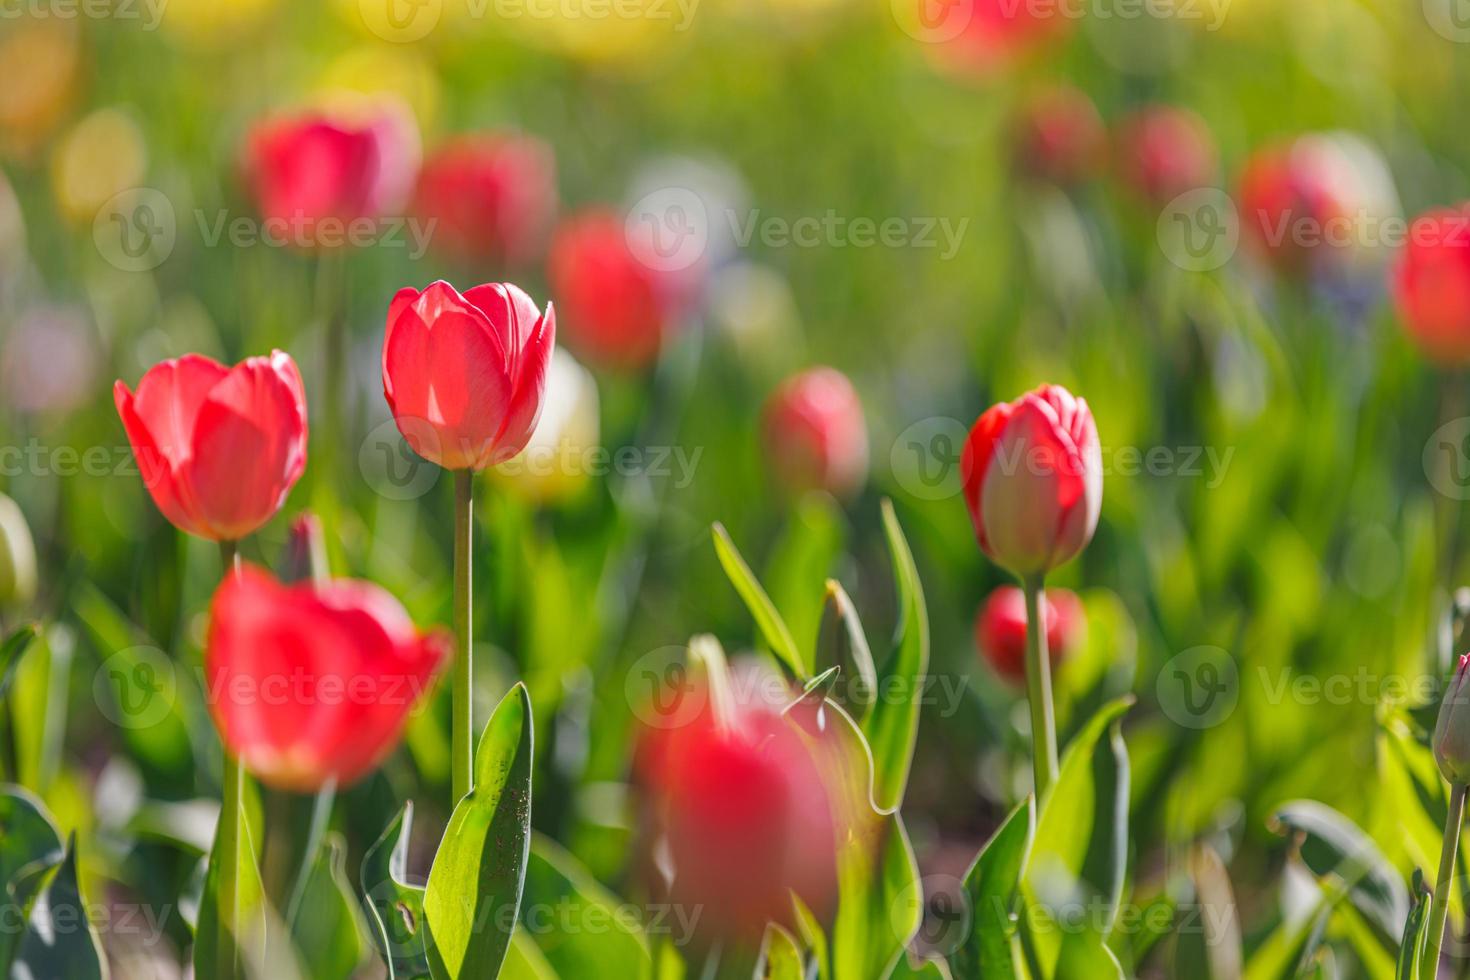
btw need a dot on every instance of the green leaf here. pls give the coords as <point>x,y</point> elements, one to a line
<point>581,928</point>
<point>910,968</point>
<point>772,626</point>
<point>991,887</point>
<point>1208,944</point>
<point>328,930</point>
<point>780,955</point>
<point>475,884</point>
<point>842,643</point>
<point>59,940</point>
<point>804,555</point>
<point>11,650</point>
<point>814,936</point>
<point>1079,856</point>
<point>1416,932</point>
<point>893,725</point>
<point>251,930</point>
<point>29,843</point>
<point>395,907</point>
<point>1333,846</point>
<point>524,960</point>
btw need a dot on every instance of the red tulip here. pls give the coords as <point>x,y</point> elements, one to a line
<point>984,36</point>
<point>616,308</point>
<point>1431,284</point>
<point>316,172</point>
<point>465,375</point>
<point>310,683</point>
<point>490,197</point>
<point>219,448</point>
<point>1000,628</point>
<point>748,819</point>
<point>1292,199</point>
<point>1032,472</point>
<point>1163,151</point>
<point>1060,136</point>
<point>814,432</point>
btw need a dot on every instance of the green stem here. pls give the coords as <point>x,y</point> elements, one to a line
<point>228,843</point>
<point>462,739</point>
<point>1038,689</point>
<point>1439,911</point>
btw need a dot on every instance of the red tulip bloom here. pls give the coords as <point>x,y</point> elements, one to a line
<point>1431,284</point>
<point>615,306</point>
<point>465,375</point>
<point>1032,472</point>
<point>1000,628</point>
<point>491,197</point>
<point>219,448</point>
<point>1292,200</point>
<point>984,36</point>
<point>1163,151</point>
<point>814,432</point>
<point>313,174</point>
<point>1060,136</point>
<point>310,683</point>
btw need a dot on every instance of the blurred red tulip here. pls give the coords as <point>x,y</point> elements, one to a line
<point>315,173</point>
<point>1060,136</point>
<point>814,433</point>
<point>1000,628</point>
<point>615,306</point>
<point>310,683</point>
<point>491,197</point>
<point>465,376</point>
<point>1431,284</point>
<point>1032,472</point>
<point>1290,197</point>
<point>746,811</point>
<point>987,35</point>
<point>1163,151</point>
<point>219,448</point>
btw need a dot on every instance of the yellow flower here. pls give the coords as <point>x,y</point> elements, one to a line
<point>207,22</point>
<point>102,156</point>
<point>39,67</point>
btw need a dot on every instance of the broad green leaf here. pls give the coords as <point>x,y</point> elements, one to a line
<point>1332,845</point>
<point>474,889</point>
<point>842,643</point>
<point>804,555</point>
<point>772,626</point>
<point>28,843</point>
<point>1079,856</point>
<point>525,961</point>
<point>780,956</point>
<point>328,928</point>
<point>1411,800</point>
<point>1208,944</point>
<point>814,936</point>
<point>11,650</point>
<point>395,907</point>
<point>1290,943</point>
<point>247,940</point>
<point>1416,932</point>
<point>59,940</point>
<point>580,927</point>
<point>991,886</point>
<point>893,725</point>
<point>1084,953</point>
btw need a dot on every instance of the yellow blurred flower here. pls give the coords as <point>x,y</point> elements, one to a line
<point>375,70</point>
<point>39,70</point>
<point>612,32</point>
<point>100,157</point>
<point>562,453</point>
<point>214,21</point>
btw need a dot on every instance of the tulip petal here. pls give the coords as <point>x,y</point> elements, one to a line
<point>1032,484</point>
<point>529,396</point>
<point>168,401</point>
<point>157,472</point>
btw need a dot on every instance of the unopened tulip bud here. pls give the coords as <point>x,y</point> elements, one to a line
<point>1163,151</point>
<point>815,433</point>
<point>306,551</point>
<point>17,555</point>
<point>1000,629</point>
<point>1452,730</point>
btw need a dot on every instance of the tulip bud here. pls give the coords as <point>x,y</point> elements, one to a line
<point>1000,629</point>
<point>490,197</point>
<point>17,555</point>
<point>313,683</point>
<point>1431,284</point>
<point>814,433</point>
<point>1060,136</point>
<point>193,423</point>
<point>465,375</point>
<point>555,464</point>
<point>306,551</point>
<point>1032,473</point>
<point>1163,151</point>
<point>1452,729</point>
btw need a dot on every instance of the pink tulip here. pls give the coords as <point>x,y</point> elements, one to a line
<point>814,432</point>
<point>1000,629</point>
<point>490,197</point>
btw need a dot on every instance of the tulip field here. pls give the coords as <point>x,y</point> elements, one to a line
<point>714,489</point>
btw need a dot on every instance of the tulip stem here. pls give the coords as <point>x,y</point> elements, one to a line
<point>227,846</point>
<point>462,725</point>
<point>1038,689</point>
<point>1439,909</point>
